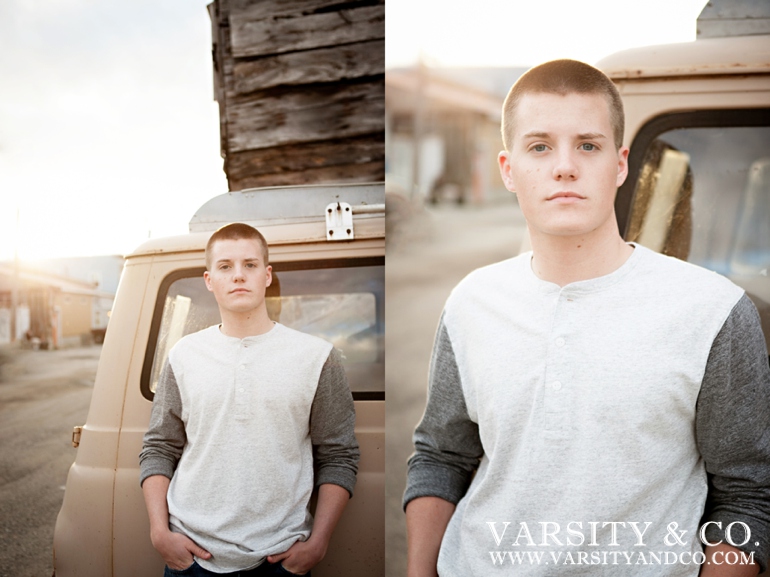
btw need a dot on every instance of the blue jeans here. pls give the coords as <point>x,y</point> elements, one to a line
<point>264,570</point>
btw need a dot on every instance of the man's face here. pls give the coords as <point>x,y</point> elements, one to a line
<point>563,164</point>
<point>238,276</point>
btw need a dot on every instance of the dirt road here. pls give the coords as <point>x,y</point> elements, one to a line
<point>437,250</point>
<point>43,394</point>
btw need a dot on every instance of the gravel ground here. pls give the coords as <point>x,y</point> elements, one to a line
<point>43,394</point>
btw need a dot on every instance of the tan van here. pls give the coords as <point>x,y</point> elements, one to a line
<point>698,125</point>
<point>327,247</point>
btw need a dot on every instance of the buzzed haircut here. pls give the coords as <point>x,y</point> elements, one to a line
<point>236,231</point>
<point>564,77</point>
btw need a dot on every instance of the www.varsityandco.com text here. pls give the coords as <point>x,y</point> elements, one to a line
<point>613,543</point>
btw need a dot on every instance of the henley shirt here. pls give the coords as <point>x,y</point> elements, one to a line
<point>607,417</point>
<point>244,428</point>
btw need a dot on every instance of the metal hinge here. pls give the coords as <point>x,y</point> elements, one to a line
<point>339,218</point>
<point>76,436</point>
<point>339,221</point>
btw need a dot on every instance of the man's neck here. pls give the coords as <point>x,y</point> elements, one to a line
<point>564,260</point>
<point>247,324</point>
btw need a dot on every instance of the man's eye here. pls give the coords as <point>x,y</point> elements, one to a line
<point>588,146</point>
<point>539,148</point>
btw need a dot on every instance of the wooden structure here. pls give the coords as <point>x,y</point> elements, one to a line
<point>301,90</point>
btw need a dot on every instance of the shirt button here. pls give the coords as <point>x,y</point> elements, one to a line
<point>560,342</point>
<point>556,385</point>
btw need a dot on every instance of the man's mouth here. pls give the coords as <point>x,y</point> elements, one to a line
<point>566,196</point>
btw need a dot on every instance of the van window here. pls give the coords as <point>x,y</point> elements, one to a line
<point>702,194</point>
<point>340,303</point>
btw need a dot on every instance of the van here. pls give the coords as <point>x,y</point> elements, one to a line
<point>327,250</point>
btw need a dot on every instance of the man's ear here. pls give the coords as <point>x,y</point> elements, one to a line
<point>505,170</point>
<point>207,280</point>
<point>622,165</point>
<point>269,270</point>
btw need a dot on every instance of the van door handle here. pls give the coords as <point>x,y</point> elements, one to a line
<point>76,436</point>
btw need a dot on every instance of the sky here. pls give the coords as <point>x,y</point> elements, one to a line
<point>528,32</point>
<point>109,133</point>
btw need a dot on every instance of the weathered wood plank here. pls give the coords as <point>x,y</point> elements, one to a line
<point>254,10</point>
<point>307,67</point>
<point>278,117</point>
<point>298,157</point>
<point>368,172</point>
<point>266,9</point>
<point>305,31</point>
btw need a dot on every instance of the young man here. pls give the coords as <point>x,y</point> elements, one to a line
<point>243,414</point>
<point>592,404</point>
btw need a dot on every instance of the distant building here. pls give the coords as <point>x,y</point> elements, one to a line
<point>103,271</point>
<point>61,302</point>
<point>455,114</point>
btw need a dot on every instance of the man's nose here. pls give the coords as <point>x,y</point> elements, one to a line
<point>238,272</point>
<point>565,167</point>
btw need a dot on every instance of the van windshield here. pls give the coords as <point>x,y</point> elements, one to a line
<point>702,194</point>
<point>341,304</point>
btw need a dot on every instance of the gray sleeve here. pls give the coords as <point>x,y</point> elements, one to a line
<point>446,442</point>
<point>332,427</point>
<point>732,428</point>
<point>165,437</point>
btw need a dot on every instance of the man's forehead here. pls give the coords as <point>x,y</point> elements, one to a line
<point>228,258</point>
<point>546,112</point>
<point>240,249</point>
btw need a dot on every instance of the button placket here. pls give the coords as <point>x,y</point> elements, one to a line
<point>556,370</point>
<point>241,392</point>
